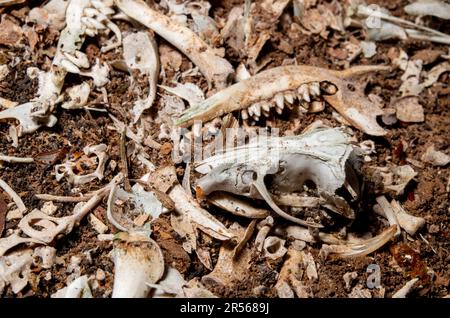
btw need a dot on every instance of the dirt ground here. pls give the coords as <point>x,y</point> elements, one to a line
<point>427,196</point>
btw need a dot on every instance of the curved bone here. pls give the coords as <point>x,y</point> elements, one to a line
<point>140,52</point>
<point>352,105</point>
<point>261,187</point>
<point>236,206</point>
<point>15,270</point>
<point>16,198</point>
<point>99,151</point>
<point>363,248</point>
<point>217,70</point>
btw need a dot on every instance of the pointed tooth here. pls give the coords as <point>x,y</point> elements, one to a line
<point>266,113</point>
<point>244,114</point>
<point>303,92</point>
<point>265,107</point>
<point>251,111</point>
<point>255,117</point>
<point>289,97</point>
<point>328,88</point>
<point>257,109</point>
<point>317,106</point>
<point>279,110</point>
<point>279,100</point>
<point>314,89</point>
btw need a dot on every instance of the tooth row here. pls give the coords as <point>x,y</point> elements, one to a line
<point>307,95</point>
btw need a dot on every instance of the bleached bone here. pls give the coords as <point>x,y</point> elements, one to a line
<point>46,254</point>
<point>283,84</point>
<point>138,260</point>
<point>266,226</point>
<point>68,59</point>
<point>289,279</point>
<point>304,234</point>
<point>319,156</point>
<point>397,215</point>
<point>14,196</point>
<point>15,159</point>
<point>15,270</point>
<point>78,95</point>
<point>140,51</point>
<point>79,288</point>
<point>384,209</point>
<point>22,113</point>
<point>435,8</point>
<point>51,227</point>
<point>230,270</point>
<point>216,69</point>
<point>13,240</point>
<point>66,169</point>
<point>205,221</point>
<point>274,247</point>
<point>165,180</point>
<point>171,285</point>
<point>236,206</point>
<point>143,202</point>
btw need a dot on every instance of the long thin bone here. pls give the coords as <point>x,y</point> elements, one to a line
<point>16,159</point>
<point>217,70</point>
<point>267,85</point>
<point>262,189</point>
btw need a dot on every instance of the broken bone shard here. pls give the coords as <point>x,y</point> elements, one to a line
<point>140,52</point>
<point>353,105</point>
<point>319,156</point>
<point>138,202</point>
<point>67,169</point>
<point>436,158</point>
<point>216,69</point>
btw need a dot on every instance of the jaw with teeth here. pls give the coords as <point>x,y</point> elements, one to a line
<point>282,86</point>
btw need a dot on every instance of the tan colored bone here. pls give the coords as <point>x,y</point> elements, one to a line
<point>216,69</point>
<point>351,104</point>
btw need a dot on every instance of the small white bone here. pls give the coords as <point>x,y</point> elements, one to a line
<point>274,247</point>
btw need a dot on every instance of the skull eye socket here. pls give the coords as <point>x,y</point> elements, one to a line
<point>248,176</point>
